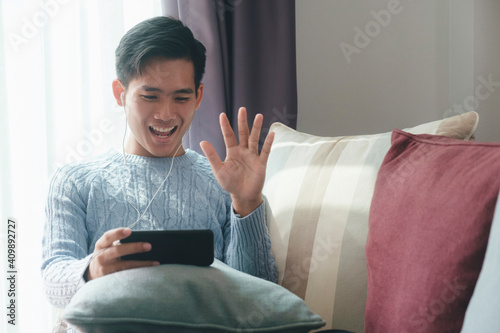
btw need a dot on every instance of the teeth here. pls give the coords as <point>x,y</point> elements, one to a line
<point>162,130</point>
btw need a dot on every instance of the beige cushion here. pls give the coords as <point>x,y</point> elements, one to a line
<point>318,191</point>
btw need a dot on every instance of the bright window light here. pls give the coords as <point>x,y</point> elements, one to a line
<point>56,68</point>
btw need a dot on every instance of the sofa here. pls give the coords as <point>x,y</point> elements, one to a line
<point>384,232</point>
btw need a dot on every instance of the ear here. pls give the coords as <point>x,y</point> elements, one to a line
<point>199,95</point>
<point>117,91</point>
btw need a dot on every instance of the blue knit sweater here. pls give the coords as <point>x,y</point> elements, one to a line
<point>87,199</point>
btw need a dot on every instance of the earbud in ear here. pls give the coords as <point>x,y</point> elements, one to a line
<point>121,98</point>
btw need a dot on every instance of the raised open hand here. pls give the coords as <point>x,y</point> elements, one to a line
<point>243,172</point>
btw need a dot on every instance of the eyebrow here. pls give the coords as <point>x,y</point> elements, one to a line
<point>184,91</point>
<point>179,91</point>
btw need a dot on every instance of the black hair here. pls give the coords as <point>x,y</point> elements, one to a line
<point>158,37</point>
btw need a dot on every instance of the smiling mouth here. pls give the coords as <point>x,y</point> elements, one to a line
<point>162,133</point>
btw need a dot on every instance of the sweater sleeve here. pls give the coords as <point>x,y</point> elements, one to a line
<point>65,254</point>
<point>249,245</point>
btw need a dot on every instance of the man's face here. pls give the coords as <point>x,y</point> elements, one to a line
<point>160,106</point>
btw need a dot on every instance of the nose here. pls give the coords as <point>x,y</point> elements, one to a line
<point>164,112</point>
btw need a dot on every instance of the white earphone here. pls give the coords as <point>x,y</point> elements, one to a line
<point>122,95</point>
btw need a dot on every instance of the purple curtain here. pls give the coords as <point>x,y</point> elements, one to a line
<point>250,62</point>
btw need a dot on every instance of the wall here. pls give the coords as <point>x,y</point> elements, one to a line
<point>487,67</point>
<point>371,66</point>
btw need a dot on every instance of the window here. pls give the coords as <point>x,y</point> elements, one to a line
<point>56,102</point>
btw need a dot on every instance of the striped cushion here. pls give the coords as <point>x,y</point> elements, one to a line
<point>318,192</point>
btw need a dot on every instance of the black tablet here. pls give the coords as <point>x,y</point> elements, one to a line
<point>187,247</point>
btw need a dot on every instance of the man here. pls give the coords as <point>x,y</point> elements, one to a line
<point>157,184</point>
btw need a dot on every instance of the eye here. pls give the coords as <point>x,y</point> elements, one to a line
<point>182,99</point>
<point>149,97</point>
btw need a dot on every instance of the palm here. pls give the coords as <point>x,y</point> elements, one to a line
<point>243,172</point>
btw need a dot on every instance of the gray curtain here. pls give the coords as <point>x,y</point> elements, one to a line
<point>250,62</point>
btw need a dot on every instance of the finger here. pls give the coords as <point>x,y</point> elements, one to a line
<point>111,236</point>
<point>211,155</point>
<point>253,141</point>
<point>129,248</point>
<point>227,132</point>
<point>113,253</point>
<point>243,127</point>
<point>129,264</point>
<point>109,261</point>
<point>266,148</point>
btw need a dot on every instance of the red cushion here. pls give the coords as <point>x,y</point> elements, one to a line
<point>428,228</point>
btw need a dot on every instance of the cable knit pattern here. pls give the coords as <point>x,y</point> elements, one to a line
<point>87,199</point>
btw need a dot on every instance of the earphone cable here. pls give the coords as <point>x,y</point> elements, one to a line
<point>139,215</point>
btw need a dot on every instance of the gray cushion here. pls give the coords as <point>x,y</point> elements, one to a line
<point>178,298</point>
<point>483,311</point>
